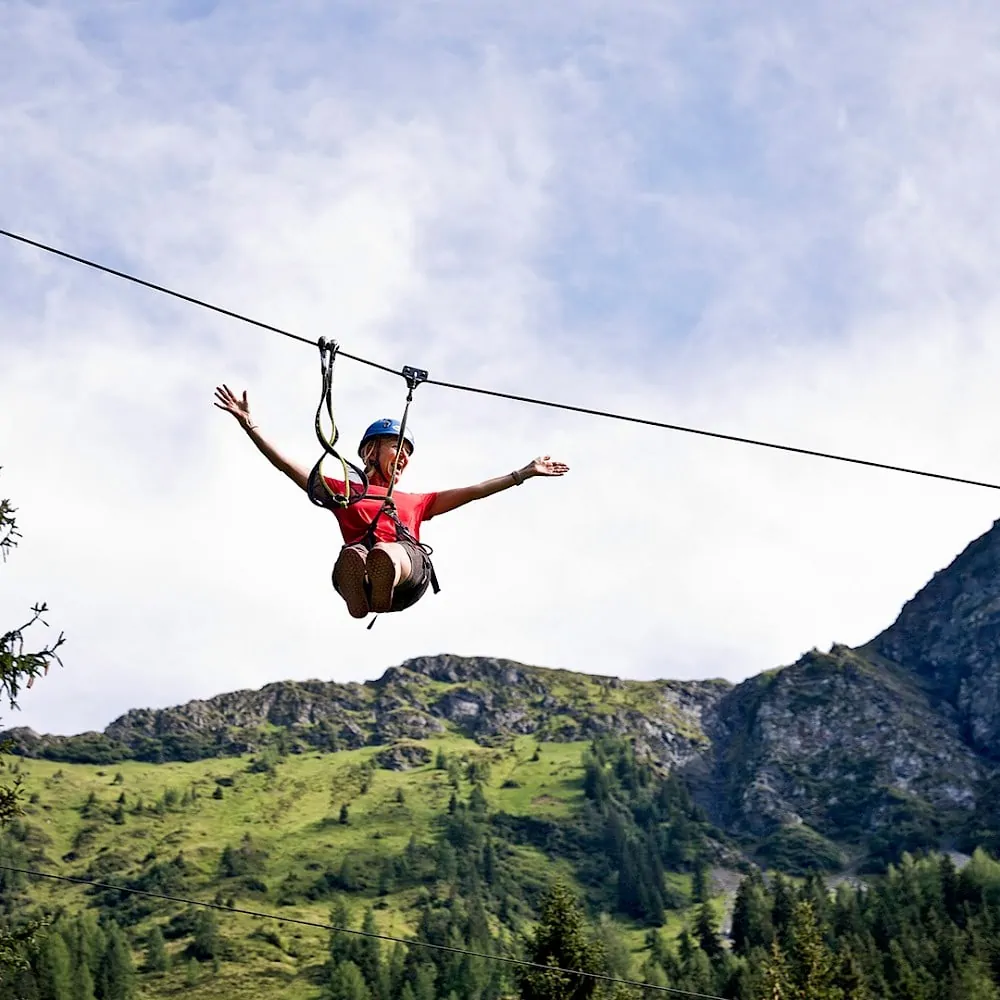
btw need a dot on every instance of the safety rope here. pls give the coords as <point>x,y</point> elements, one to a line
<point>328,441</point>
<point>413,376</point>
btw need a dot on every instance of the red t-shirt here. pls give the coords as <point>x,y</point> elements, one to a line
<point>411,509</point>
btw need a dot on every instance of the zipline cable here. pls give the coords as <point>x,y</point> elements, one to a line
<point>416,943</point>
<point>606,414</point>
<point>157,288</point>
<point>663,425</point>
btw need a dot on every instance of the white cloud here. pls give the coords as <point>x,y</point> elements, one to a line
<point>771,225</point>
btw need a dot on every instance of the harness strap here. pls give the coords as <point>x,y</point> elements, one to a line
<point>318,489</point>
<point>413,376</point>
<point>402,532</point>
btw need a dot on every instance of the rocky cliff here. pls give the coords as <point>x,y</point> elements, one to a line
<point>840,742</point>
<point>948,638</point>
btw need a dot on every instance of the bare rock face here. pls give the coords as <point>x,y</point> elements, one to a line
<point>836,741</point>
<point>403,756</point>
<point>948,637</point>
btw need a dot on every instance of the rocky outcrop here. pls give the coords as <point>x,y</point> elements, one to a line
<point>948,636</point>
<point>486,699</point>
<point>835,741</point>
<point>403,756</point>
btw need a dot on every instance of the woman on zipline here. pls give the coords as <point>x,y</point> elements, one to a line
<point>383,566</point>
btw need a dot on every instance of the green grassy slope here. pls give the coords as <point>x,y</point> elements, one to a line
<point>112,822</point>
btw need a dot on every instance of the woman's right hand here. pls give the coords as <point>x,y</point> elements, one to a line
<point>239,408</point>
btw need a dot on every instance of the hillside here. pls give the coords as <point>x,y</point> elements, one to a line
<point>396,831</point>
<point>486,699</point>
<point>480,780</point>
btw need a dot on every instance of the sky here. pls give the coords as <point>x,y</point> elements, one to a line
<point>774,221</point>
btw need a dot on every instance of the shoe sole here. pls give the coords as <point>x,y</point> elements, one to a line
<point>382,578</point>
<point>349,574</point>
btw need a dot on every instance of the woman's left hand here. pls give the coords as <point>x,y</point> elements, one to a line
<point>545,466</point>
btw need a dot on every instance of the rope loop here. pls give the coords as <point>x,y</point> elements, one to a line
<point>318,489</point>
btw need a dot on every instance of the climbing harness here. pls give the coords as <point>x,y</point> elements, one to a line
<point>413,376</point>
<point>355,481</point>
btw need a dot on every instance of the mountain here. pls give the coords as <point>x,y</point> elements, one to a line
<point>874,750</point>
<point>488,700</point>
<point>443,798</point>
<point>947,638</point>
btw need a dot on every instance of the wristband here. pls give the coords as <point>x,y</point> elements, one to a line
<point>517,477</point>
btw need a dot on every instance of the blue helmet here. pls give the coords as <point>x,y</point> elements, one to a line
<point>386,427</point>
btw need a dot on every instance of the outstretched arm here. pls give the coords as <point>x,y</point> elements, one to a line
<point>448,500</point>
<point>240,409</point>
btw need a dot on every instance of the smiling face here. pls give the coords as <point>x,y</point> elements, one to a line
<point>379,456</point>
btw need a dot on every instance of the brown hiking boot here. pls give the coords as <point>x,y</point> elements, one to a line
<point>349,580</point>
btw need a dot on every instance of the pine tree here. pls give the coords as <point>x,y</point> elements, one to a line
<point>116,973</point>
<point>397,970</point>
<point>850,977</point>
<point>369,953</point>
<point>206,944</point>
<point>751,925</point>
<point>812,964</point>
<point>782,906</point>
<point>156,951</point>
<point>971,981</point>
<point>83,942</point>
<point>345,816</point>
<point>424,981</point>
<point>347,983</point>
<point>55,975</point>
<point>777,977</point>
<point>477,801</point>
<point>707,931</point>
<point>489,865</point>
<point>385,880</point>
<point>83,981</point>
<point>699,882</point>
<point>905,980</point>
<point>342,944</point>
<point>560,939</point>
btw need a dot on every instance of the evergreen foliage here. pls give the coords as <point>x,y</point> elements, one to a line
<point>75,959</point>
<point>560,939</point>
<point>923,932</point>
<point>636,827</point>
<point>18,667</point>
<point>157,959</point>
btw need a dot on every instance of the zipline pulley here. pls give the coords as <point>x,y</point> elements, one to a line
<point>414,376</point>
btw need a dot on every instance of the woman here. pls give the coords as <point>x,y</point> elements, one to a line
<point>383,566</point>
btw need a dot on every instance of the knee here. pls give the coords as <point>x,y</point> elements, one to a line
<point>399,557</point>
